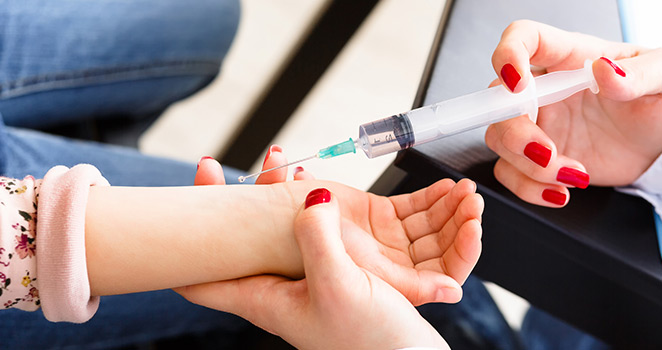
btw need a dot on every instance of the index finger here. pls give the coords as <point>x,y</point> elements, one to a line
<point>524,43</point>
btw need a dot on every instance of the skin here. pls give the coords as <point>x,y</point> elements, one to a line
<point>613,136</point>
<point>338,305</point>
<point>424,244</point>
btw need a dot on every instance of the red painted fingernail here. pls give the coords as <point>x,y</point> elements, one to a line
<point>272,149</point>
<point>318,196</point>
<point>573,177</point>
<point>203,158</point>
<point>616,67</point>
<point>555,197</point>
<point>510,76</point>
<point>298,170</point>
<point>538,153</point>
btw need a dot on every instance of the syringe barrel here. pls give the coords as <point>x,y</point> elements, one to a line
<point>468,112</point>
<point>386,136</point>
<point>442,119</point>
<point>497,104</point>
<point>471,111</point>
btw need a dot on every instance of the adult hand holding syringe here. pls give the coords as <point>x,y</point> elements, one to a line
<point>459,114</point>
<point>608,139</point>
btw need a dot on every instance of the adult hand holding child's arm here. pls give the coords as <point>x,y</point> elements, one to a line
<point>339,305</point>
<point>144,239</point>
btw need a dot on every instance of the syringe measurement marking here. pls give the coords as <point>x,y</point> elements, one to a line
<point>387,139</point>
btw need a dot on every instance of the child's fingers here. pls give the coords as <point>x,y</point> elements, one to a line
<point>434,287</point>
<point>209,172</point>
<point>463,255</point>
<point>471,208</point>
<point>425,283</point>
<point>274,158</point>
<point>436,244</point>
<point>433,219</point>
<point>411,203</point>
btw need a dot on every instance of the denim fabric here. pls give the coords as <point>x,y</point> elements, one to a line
<point>120,321</point>
<point>29,152</point>
<point>474,323</point>
<point>72,60</point>
<point>541,331</point>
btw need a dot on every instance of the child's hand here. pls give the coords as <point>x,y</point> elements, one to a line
<point>424,244</point>
<point>339,305</point>
<point>614,136</point>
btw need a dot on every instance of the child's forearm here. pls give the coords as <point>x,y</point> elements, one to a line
<point>140,239</point>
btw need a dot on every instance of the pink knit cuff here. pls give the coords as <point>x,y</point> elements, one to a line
<point>64,287</point>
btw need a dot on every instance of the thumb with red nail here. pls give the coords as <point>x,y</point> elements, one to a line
<point>607,139</point>
<point>338,305</point>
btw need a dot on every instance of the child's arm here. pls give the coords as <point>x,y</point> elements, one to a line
<point>105,240</point>
<point>152,238</point>
<point>339,305</point>
<point>141,239</point>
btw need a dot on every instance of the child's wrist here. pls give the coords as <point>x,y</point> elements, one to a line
<point>264,235</point>
<point>283,256</point>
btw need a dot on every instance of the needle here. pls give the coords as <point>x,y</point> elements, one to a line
<point>244,178</point>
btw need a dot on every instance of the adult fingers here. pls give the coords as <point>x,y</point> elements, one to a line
<point>318,234</point>
<point>629,78</point>
<point>526,43</point>
<point>261,300</point>
<point>301,174</point>
<point>274,158</point>
<point>520,42</point>
<point>529,190</point>
<point>209,172</point>
<point>527,148</point>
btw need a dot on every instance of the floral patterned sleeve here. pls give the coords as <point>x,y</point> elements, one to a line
<point>42,243</point>
<point>18,222</point>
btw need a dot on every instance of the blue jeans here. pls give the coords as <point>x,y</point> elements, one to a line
<point>72,60</point>
<point>541,331</point>
<point>474,323</point>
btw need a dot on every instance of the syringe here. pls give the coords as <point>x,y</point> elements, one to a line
<point>459,114</point>
<point>345,147</point>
